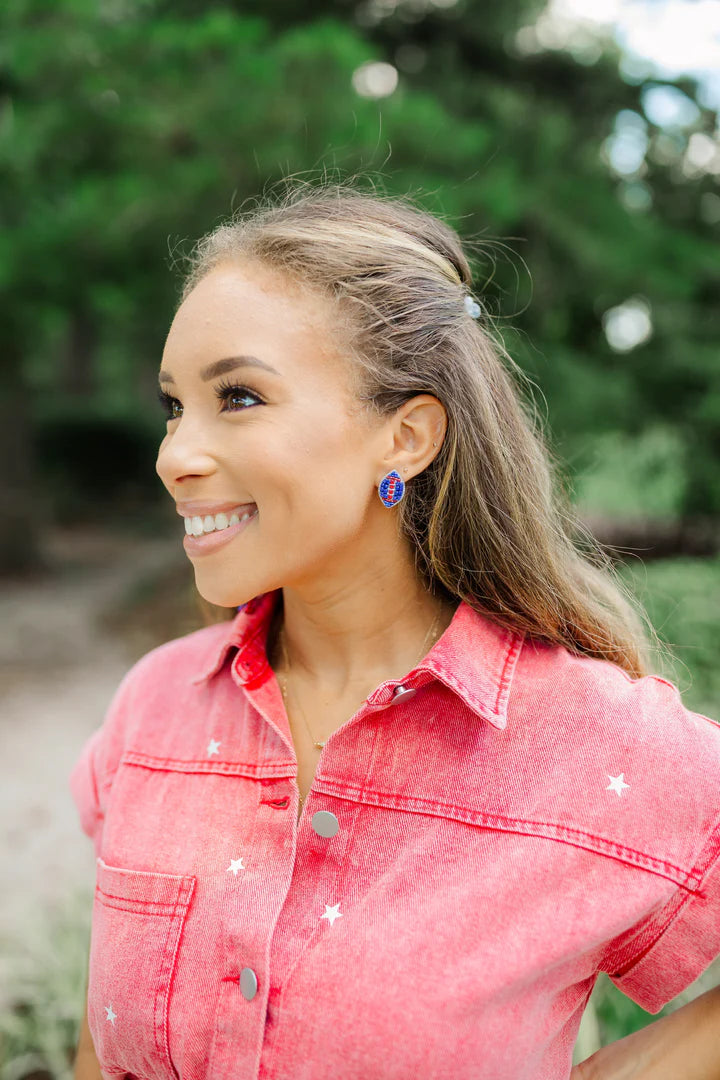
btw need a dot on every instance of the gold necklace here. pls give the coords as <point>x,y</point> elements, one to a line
<point>283,683</point>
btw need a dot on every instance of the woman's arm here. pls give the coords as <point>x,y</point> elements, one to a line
<point>685,1044</point>
<point>86,1063</point>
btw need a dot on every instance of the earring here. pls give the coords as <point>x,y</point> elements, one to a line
<point>391,488</point>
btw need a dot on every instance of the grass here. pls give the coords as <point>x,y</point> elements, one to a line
<point>46,967</point>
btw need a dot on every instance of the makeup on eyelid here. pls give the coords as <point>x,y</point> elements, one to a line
<point>222,391</point>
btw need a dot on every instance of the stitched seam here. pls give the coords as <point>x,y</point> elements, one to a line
<point>162,991</point>
<point>132,905</point>
<point>178,923</point>
<point>506,675</point>
<point>140,903</point>
<point>153,903</point>
<point>159,990</point>
<point>613,958</point>
<point>315,935</point>
<point>177,879</point>
<point>241,768</point>
<point>506,824</point>
<point>611,961</point>
<point>503,818</point>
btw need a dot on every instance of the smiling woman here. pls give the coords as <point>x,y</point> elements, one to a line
<point>364,827</point>
<point>293,442</point>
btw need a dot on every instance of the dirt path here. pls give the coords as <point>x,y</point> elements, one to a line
<point>63,650</point>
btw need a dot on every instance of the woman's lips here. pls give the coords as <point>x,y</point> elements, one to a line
<point>202,545</point>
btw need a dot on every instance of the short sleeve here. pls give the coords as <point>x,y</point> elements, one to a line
<point>85,789</point>
<point>660,957</point>
<point>679,942</point>
<point>91,776</point>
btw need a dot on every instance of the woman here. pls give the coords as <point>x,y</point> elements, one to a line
<point>365,828</point>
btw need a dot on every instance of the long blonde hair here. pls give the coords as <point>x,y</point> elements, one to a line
<point>489,519</point>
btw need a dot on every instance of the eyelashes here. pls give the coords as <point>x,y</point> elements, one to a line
<point>222,391</point>
<point>167,404</point>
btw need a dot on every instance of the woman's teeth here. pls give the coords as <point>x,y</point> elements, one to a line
<point>197,526</point>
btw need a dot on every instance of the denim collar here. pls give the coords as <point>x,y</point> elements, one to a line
<point>475,657</point>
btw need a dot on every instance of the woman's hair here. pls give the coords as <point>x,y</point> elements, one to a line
<point>488,519</point>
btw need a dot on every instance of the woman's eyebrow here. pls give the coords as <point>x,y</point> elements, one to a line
<point>221,367</point>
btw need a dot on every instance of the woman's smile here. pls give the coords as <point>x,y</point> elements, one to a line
<point>197,542</point>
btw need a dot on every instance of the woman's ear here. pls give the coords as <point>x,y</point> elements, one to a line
<point>417,432</point>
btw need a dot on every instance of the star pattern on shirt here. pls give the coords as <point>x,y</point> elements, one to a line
<point>213,748</point>
<point>235,865</point>
<point>111,1016</point>
<point>331,913</point>
<point>617,783</point>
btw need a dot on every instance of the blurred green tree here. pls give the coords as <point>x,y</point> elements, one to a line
<point>128,127</point>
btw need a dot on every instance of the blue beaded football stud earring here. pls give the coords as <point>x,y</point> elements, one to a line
<point>391,488</point>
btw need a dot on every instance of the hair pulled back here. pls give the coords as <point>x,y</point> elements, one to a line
<point>488,519</point>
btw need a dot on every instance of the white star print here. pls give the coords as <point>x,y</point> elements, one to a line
<point>331,913</point>
<point>617,783</point>
<point>213,748</point>
<point>235,865</point>
<point>111,1016</point>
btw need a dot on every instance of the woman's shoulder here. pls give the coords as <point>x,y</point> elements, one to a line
<point>640,766</point>
<point>592,695</point>
<point>618,765</point>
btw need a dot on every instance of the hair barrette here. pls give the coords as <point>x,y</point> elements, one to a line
<point>472,307</point>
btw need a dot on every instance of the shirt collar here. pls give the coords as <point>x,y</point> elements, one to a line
<point>475,656</point>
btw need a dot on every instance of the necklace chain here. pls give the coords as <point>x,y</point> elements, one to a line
<point>283,681</point>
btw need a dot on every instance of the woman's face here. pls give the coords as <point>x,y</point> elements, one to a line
<point>280,436</point>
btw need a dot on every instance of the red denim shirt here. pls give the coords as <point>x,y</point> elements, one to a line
<point>468,859</point>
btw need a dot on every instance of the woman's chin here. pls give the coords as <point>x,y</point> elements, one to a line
<point>224,598</point>
<point>229,595</point>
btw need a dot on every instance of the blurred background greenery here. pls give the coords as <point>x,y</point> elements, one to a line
<point>128,128</point>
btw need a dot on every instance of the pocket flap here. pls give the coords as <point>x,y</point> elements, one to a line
<point>147,891</point>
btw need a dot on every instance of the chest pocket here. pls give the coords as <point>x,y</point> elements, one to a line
<point>138,920</point>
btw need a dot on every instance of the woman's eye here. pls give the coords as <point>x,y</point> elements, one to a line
<point>231,392</point>
<point>168,404</point>
<point>225,392</point>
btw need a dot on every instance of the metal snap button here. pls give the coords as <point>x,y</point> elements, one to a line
<point>403,693</point>
<point>324,823</point>
<point>248,983</point>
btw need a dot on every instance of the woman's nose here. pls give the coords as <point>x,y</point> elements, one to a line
<point>185,451</point>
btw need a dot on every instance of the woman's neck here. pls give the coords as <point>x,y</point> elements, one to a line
<point>362,635</point>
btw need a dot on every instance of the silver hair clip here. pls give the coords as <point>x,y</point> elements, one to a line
<point>472,307</point>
